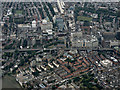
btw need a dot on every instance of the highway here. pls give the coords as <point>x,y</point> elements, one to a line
<point>66,49</point>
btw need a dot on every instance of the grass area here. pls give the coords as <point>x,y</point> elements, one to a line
<point>51,46</point>
<point>19,12</point>
<point>83,18</point>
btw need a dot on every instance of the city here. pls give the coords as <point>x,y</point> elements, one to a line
<point>55,45</point>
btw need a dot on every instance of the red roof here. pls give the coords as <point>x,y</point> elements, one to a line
<point>79,60</point>
<point>79,66</point>
<point>66,69</point>
<point>59,61</point>
<point>85,61</point>
<point>84,64</point>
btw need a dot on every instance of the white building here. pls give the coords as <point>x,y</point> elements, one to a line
<point>44,21</point>
<point>24,26</point>
<point>55,64</point>
<point>114,43</point>
<point>46,25</point>
<point>114,59</point>
<point>43,68</point>
<point>106,63</point>
<point>34,24</point>
<point>61,5</point>
<point>50,65</point>
<point>9,12</point>
<point>49,31</point>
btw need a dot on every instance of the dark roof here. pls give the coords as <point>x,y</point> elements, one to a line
<point>109,35</point>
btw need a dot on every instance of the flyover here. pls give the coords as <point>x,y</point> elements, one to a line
<point>66,49</point>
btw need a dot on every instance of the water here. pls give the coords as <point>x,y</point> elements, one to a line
<point>9,82</point>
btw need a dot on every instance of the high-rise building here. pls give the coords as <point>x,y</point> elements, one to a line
<point>60,22</point>
<point>0,11</point>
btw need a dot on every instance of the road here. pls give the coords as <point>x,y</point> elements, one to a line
<point>66,49</point>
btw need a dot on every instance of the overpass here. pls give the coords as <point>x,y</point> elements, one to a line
<point>94,49</point>
<point>66,49</point>
<point>22,50</point>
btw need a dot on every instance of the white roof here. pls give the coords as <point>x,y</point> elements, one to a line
<point>33,22</point>
<point>44,21</point>
<point>106,62</point>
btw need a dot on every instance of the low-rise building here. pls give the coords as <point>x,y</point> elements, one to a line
<point>84,41</point>
<point>106,63</point>
<point>59,21</point>
<point>46,25</point>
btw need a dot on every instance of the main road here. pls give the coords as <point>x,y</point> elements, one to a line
<point>41,49</point>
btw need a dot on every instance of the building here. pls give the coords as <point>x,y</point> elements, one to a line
<point>61,6</point>
<point>46,25</point>
<point>0,11</point>
<point>23,78</point>
<point>106,63</point>
<point>76,34</point>
<point>34,24</point>
<point>114,43</point>
<point>61,42</point>
<point>109,36</point>
<point>33,41</point>
<point>33,63</point>
<point>86,41</point>
<point>86,29</point>
<point>49,31</point>
<point>57,65</point>
<point>109,39</point>
<point>24,27</point>
<point>50,65</point>
<point>59,22</point>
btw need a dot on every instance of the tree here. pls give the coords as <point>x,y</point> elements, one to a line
<point>35,74</point>
<point>22,62</point>
<point>95,80</point>
<point>76,79</point>
<point>95,88</point>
